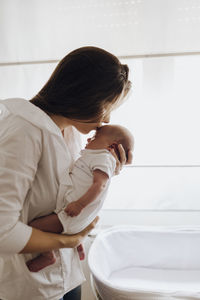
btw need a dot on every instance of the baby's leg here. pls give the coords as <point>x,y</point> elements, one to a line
<point>40,262</point>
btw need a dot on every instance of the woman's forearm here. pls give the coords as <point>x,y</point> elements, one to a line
<point>45,241</point>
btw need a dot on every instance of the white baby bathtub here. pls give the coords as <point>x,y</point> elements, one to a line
<point>146,264</point>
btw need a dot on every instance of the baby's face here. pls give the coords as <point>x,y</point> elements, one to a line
<point>99,140</point>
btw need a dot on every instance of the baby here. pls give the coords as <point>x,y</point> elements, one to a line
<point>88,182</point>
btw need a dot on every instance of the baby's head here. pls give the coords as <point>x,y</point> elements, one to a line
<point>109,136</point>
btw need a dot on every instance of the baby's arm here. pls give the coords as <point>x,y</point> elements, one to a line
<point>100,180</point>
<point>50,223</point>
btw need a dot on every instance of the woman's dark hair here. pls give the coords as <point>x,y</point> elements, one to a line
<point>82,83</point>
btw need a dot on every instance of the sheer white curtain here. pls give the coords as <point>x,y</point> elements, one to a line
<point>34,31</point>
<point>48,29</point>
<point>159,40</point>
<point>163,114</point>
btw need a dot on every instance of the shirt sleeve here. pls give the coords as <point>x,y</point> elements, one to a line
<point>104,162</point>
<point>20,151</point>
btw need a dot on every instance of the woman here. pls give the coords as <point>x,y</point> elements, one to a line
<point>81,93</point>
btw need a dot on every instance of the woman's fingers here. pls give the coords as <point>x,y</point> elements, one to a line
<point>130,158</point>
<point>120,162</point>
<point>91,226</point>
<point>122,154</point>
<point>74,240</point>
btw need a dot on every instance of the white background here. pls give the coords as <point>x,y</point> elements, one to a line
<point>159,40</point>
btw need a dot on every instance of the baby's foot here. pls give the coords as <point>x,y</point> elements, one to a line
<point>81,252</point>
<point>40,262</point>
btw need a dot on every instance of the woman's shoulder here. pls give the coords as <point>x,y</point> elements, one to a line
<point>24,113</point>
<point>15,126</point>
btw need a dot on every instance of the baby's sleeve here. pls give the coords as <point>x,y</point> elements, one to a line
<point>104,162</point>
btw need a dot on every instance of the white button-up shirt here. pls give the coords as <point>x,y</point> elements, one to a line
<point>33,159</point>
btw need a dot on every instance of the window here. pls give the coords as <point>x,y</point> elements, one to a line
<point>159,40</point>
<point>163,114</point>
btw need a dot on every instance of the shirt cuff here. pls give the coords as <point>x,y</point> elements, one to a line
<point>16,240</point>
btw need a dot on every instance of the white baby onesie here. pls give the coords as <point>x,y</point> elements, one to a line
<point>78,181</point>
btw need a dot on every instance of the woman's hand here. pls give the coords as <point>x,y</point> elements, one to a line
<point>77,239</point>
<point>121,159</point>
<point>130,157</point>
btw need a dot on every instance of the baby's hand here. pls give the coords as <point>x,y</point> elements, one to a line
<point>73,209</point>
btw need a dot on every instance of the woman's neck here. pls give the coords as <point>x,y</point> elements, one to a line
<point>60,121</point>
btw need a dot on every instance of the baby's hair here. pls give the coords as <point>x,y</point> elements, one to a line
<point>120,135</point>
